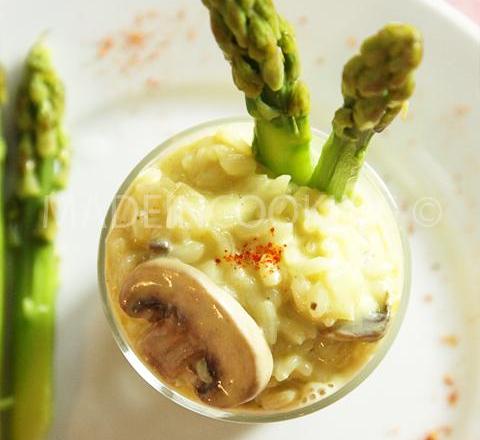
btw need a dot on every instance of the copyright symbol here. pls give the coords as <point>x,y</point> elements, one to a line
<point>427,212</point>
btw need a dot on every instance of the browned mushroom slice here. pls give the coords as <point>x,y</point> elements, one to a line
<point>159,246</point>
<point>198,329</point>
<point>368,329</point>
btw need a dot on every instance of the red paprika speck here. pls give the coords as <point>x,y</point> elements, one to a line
<point>256,255</point>
<point>134,38</point>
<point>105,46</point>
<point>217,260</point>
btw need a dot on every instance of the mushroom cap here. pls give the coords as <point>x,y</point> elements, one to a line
<point>194,320</point>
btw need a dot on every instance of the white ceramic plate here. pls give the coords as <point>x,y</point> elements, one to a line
<point>146,87</point>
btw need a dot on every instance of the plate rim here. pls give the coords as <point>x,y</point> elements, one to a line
<point>463,22</point>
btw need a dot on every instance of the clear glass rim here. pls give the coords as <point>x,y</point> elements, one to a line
<point>237,415</point>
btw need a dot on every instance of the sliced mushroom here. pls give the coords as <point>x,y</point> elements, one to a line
<point>369,329</point>
<point>199,331</point>
<point>160,246</point>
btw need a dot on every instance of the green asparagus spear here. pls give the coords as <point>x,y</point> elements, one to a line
<point>261,48</point>
<point>3,300</point>
<point>376,85</point>
<point>42,169</point>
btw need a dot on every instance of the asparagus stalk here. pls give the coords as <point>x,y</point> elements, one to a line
<point>376,85</point>
<point>3,299</point>
<point>261,48</point>
<point>42,170</point>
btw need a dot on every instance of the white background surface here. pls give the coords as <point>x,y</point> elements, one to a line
<point>115,118</point>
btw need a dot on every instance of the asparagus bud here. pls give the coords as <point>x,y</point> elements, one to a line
<point>3,100</point>
<point>261,48</point>
<point>43,152</point>
<point>376,84</point>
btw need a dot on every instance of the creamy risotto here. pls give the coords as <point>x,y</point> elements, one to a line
<point>298,262</point>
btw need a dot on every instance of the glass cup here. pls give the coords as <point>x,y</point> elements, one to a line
<point>186,137</point>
